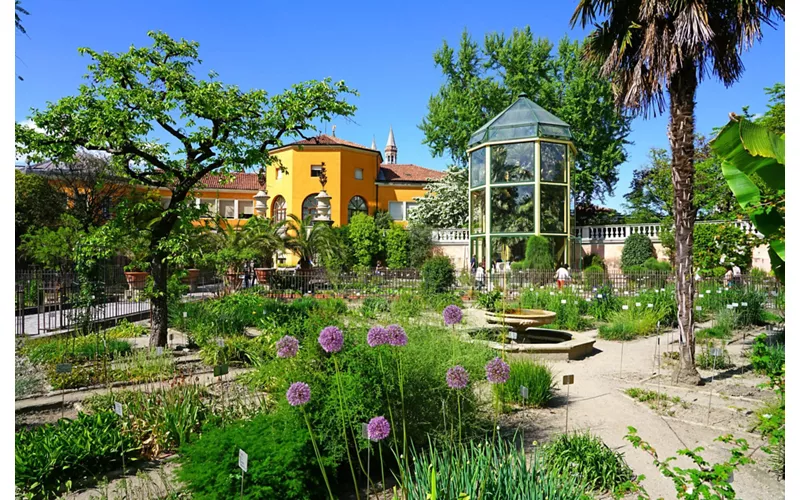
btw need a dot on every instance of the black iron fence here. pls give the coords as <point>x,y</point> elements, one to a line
<point>46,301</point>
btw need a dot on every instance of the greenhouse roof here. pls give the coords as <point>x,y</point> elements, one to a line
<point>523,119</point>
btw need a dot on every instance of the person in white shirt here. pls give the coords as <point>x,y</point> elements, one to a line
<point>737,274</point>
<point>479,275</point>
<point>562,275</point>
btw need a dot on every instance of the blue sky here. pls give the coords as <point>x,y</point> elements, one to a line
<point>382,49</point>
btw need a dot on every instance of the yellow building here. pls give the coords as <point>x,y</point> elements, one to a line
<point>358,180</point>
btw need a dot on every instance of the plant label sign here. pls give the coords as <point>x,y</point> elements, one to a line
<point>242,460</point>
<point>568,380</point>
<point>716,352</point>
<point>638,304</point>
<point>735,305</point>
<point>523,391</point>
<point>118,408</point>
<point>185,314</point>
<point>563,301</point>
<point>63,368</point>
<point>512,335</point>
<point>220,343</point>
<point>649,306</point>
<point>744,304</point>
<point>730,478</point>
<point>220,370</point>
<point>625,307</point>
<point>699,308</point>
<point>701,295</point>
<point>365,429</point>
<point>159,351</point>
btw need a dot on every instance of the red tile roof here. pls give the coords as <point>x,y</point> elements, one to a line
<point>327,140</point>
<point>246,181</point>
<point>392,172</point>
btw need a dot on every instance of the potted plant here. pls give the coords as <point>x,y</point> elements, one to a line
<point>136,249</point>
<point>231,248</point>
<point>266,237</point>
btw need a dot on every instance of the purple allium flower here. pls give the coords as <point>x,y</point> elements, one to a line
<point>331,339</point>
<point>378,429</point>
<point>377,336</point>
<point>397,336</point>
<point>457,377</point>
<point>497,371</point>
<point>298,394</point>
<point>452,314</point>
<point>287,347</point>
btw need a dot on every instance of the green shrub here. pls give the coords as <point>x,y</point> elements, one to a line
<point>593,260</point>
<point>438,301</point>
<point>630,324</point>
<point>538,254</point>
<point>497,470</point>
<point>706,361</point>
<point>594,276</point>
<point>397,247</point>
<point>281,460</point>
<point>365,240</point>
<point>603,303</point>
<point>714,241</point>
<point>767,355</point>
<point>438,275</point>
<point>407,305</point>
<point>537,377</point>
<point>589,458</point>
<point>569,307</point>
<point>715,332</point>
<point>54,458</point>
<point>76,349</point>
<point>653,264</point>
<point>488,300</point>
<point>636,250</point>
<point>371,306</point>
<point>124,330</point>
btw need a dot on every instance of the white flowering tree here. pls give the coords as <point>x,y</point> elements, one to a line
<point>445,203</point>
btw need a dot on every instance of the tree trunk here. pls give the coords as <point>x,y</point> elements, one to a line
<point>682,87</point>
<point>158,303</point>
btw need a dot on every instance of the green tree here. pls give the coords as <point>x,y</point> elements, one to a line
<point>420,244</point>
<point>310,241</point>
<point>647,48</point>
<point>364,239</point>
<point>481,82</point>
<point>215,128</point>
<point>651,195</point>
<point>775,117</point>
<point>445,203</point>
<point>37,203</point>
<point>397,247</point>
<point>54,247</point>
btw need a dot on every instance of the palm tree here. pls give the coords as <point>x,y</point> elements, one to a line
<point>645,46</point>
<point>18,9</point>
<point>266,237</point>
<point>309,240</point>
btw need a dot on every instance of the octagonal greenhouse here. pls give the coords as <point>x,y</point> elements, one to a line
<point>519,185</point>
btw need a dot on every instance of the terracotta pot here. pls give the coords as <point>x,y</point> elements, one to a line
<point>263,274</point>
<point>136,279</point>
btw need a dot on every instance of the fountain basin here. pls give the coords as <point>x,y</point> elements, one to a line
<point>533,343</point>
<point>520,319</point>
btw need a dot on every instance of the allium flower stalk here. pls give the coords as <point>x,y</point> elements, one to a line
<point>497,371</point>
<point>377,335</point>
<point>378,429</point>
<point>452,315</point>
<point>457,377</point>
<point>287,347</point>
<point>331,339</point>
<point>397,336</point>
<point>298,394</point>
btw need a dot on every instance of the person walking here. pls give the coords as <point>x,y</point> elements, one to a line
<point>737,274</point>
<point>562,276</point>
<point>729,277</point>
<point>479,277</point>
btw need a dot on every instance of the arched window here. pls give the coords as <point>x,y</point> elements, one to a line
<point>279,209</point>
<point>310,206</point>
<point>356,205</point>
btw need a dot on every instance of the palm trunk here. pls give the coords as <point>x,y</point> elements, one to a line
<point>682,87</point>
<point>158,303</point>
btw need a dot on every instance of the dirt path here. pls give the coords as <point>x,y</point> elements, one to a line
<point>597,403</point>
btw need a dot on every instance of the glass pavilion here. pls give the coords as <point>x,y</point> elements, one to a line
<point>519,184</point>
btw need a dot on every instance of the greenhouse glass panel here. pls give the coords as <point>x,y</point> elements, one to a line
<point>559,246</point>
<point>554,162</point>
<point>478,250</point>
<point>553,209</point>
<point>478,220</point>
<point>513,163</point>
<point>477,165</point>
<point>513,209</point>
<point>508,249</point>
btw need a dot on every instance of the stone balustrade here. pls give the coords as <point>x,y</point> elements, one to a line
<point>616,233</point>
<point>450,236</point>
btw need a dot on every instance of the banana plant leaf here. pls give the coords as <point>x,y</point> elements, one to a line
<point>751,153</point>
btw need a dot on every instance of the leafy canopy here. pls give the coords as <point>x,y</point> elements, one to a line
<point>445,203</point>
<point>482,81</point>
